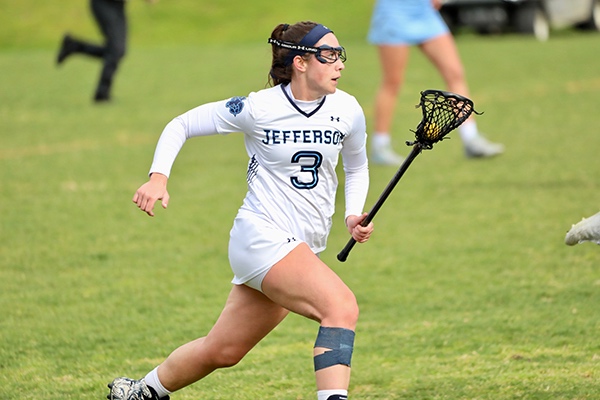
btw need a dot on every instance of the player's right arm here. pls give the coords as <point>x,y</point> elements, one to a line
<point>151,192</point>
<point>196,122</point>
<point>207,119</point>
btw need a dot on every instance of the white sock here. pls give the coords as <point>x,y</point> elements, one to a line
<point>468,130</point>
<point>381,139</point>
<point>324,394</point>
<point>153,381</point>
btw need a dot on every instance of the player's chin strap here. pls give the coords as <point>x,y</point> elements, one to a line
<point>339,341</point>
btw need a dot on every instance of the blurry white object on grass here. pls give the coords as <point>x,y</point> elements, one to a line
<point>586,230</point>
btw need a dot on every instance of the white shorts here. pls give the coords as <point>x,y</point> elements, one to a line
<point>255,245</point>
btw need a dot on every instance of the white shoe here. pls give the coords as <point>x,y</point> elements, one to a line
<point>131,389</point>
<point>586,230</point>
<point>481,147</point>
<point>385,156</point>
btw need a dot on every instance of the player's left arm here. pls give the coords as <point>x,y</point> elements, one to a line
<point>356,170</point>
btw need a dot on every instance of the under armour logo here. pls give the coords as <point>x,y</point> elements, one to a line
<point>292,239</point>
<point>335,119</point>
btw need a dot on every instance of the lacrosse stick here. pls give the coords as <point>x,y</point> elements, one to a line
<point>442,113</point>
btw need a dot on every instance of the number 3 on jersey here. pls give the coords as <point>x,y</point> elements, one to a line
<point>313,168</point>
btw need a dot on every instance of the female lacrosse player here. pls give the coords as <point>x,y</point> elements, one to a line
<point>294,132</point>
<point>395,26</point>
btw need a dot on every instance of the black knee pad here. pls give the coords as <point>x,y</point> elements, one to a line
<point>339,341</point>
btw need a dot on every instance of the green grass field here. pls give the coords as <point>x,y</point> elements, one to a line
<point>467,290</point>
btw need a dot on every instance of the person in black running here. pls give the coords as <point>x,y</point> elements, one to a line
<point>112,21</point>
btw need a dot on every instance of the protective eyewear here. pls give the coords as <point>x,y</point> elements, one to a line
<point>328,55</point>
<point>325,54</point>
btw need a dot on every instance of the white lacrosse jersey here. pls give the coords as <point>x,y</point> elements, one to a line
<point>293,149</point>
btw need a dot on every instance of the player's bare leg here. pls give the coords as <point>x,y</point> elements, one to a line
<point>248,316</point>
<point>393,63</point>
<point>302,283</point>
<point>444,55</point>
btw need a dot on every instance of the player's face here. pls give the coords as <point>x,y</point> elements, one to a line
<point>323,77</point>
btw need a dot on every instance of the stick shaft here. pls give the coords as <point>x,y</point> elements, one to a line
<point>416,150</point>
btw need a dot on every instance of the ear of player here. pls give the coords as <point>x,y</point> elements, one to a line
<point>442,113</point>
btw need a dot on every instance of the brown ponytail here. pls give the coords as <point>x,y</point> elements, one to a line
<point>280,72</point>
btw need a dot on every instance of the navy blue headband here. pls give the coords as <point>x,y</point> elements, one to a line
<point>310,39</point>
<point>315,34</point>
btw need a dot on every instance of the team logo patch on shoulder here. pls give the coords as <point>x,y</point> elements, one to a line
<point>235,105</point>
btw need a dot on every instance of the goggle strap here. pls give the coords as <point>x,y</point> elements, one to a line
<point>294,46</point>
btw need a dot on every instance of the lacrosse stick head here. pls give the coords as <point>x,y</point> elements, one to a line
<point>442,113</point>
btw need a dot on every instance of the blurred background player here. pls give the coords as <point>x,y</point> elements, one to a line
<point>395,26</point>
<point>112,21</point>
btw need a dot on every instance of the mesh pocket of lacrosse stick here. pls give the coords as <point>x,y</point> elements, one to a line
<point>442,113</point>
